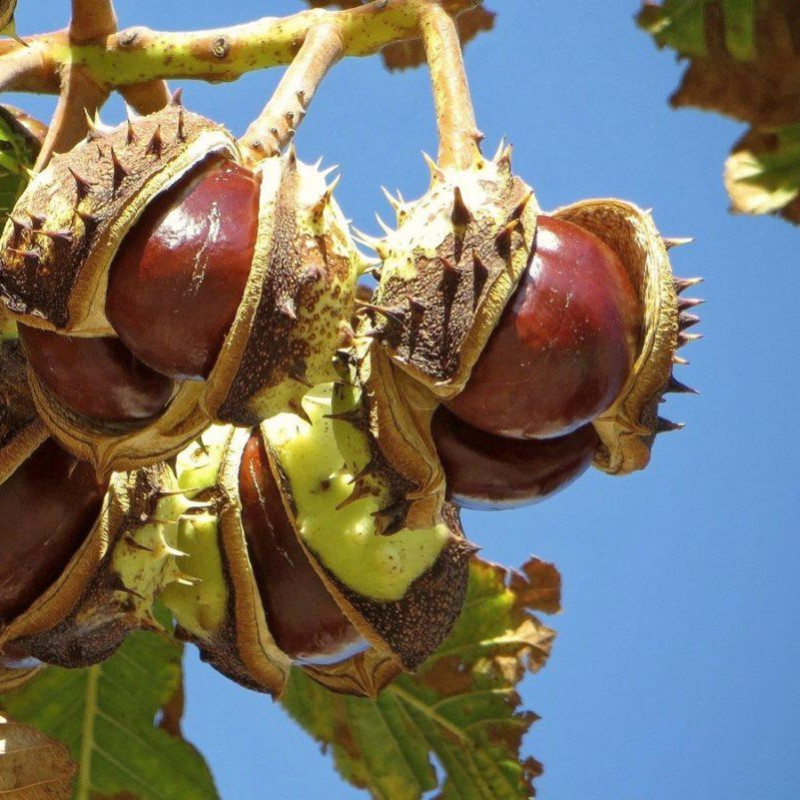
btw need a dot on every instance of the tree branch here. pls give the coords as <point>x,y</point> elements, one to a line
<point>92,19</point>
<point>79,95</point>
<point>459,137</point>
<point>28,69</point>
<point>147,97</point>
<point>275,127</point>
<point>137,55</point>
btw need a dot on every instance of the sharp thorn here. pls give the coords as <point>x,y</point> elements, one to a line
<point>360,491</point>
<point>397,314</point>
<point>82,186</point>
<point>177,97</point>
<point>18,225</point>
<point>120,173</point>
<point>384,227</point>
<point>288,308</point>
<point>436,171</point>
<point>181,132</point>
<point>328,170</point>
<point>37,221</point>
<point>519,209</point>
<point>677,241</point>
<point>505,236</point>
<point>681,362</point>
<point>686,320</point>
<point>297,372</point>
<point>155,145</point>
<point>682,284</point>
<point>664,425</point>
<point>688,338</point>
<point>393,202</point>
<point>685,303</point>
<point>129,540</point>
<point>500,149</point>
<point>676,387</point>
<point>130,135</point>
<point>369,469</point>
<point>92,130</point>
<point>296,408</point>
<point>61,236</point>
<point>462,216</point>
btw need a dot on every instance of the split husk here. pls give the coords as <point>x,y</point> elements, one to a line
<point>627,430</point>
<point>401,591</point>
<point>58,246</point>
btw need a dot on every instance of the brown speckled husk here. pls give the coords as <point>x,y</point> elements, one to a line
<point>450,268</point>
<point>84,616</point>
<point>60,284</point>
<point>21,430</point>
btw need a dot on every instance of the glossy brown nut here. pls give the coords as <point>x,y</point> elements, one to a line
<point>565,344</point>
<point>302,616</point>
<point>179,275</point>
<point>47,507</point>
<point>98,378</point>
<point>487,472</point>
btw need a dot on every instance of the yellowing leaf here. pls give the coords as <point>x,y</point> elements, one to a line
<point>461,707</point>
<point>32,766</point>
<point>763,173</point>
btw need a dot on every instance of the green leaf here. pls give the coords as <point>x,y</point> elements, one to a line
<point>106,716</point>
<point>18,151</point>
<point>462,706</point>
<point>679,24</point>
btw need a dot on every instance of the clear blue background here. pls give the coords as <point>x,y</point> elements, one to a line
<point>675,669</point>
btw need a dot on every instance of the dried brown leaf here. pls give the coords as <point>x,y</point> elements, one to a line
<point>33,766</point>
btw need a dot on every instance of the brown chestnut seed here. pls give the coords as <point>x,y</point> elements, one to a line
<point>302,616</point>
<point>47,507</point>
<point>98,378</point>
<point>179,275</point>
<point>565,344</point>
<point>487,472</point>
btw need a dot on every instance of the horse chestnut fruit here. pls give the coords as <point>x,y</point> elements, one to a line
<point>565,345</point>
<point>178,277</point>
<point>487,472</point>
<point>98,378</point>
<point>47,507</point>
<point>303,617</point>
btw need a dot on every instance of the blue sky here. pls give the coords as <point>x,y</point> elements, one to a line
<point>675,670</point>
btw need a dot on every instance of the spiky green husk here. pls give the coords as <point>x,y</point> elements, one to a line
<point>450,268</point>
<point>337,514</point>
<point>222,614</point>
<point>57,245</point>
<point>109,586</point>
<point>300,290</point>
<point>401,587</point>
<point>401,591</point>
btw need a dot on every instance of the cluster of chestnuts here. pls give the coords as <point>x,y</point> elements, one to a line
<point>199,403</point>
